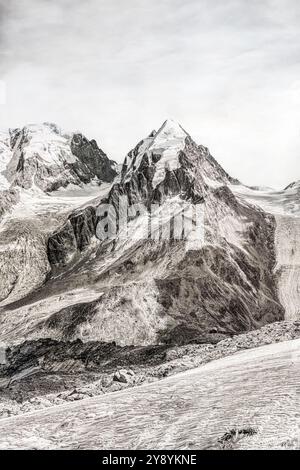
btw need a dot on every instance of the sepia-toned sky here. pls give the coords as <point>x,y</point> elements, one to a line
<point>227,70</point>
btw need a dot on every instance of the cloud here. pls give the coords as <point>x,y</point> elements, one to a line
<point>226,70</point>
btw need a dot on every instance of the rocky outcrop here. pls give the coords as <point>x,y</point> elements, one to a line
<point>8,199</point>
<point>123,376</point>
<point>294,185</point>
<point>23,259</point>
<point>90,155</point>
<point>73,237</point>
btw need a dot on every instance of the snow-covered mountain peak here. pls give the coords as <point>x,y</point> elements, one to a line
<point>161,148</point>
<point>44,156</point>
<point>45,131</point>
<point>45,142</point>
<point>293,186</point>
<point>165,148</point>
<point>172,149</point>
<point>170,130</point>
<point>35,128</point>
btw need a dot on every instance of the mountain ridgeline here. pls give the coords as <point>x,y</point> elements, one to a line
<point>67,284</point>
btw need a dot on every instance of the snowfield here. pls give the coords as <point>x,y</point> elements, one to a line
<point>252,390</point>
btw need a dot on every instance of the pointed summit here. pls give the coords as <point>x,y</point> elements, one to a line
<point>161,147</point>
<point>161,151</point>
<point>171,128</point>
<point>293,186</point>
<point>165,148</point>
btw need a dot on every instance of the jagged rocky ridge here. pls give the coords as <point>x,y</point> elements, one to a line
<point>159,291</point>
<point>144,291</point>
<point>227,285</point>
<point>35,162</point>
<point>45,157</point>
<point>294,185</point>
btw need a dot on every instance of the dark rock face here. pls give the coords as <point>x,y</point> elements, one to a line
<point>222,289</point>
<point>48,354</point>
<point>62,245</point>
<point>8,199</point>
<point>295,185</point>
<point>73,237</point>
<point>67,320</point>
<point>84,226</point>
<point>93,158</point>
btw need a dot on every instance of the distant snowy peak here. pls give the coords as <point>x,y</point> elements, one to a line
<point>163,151</point>
<point>293,186</point>
<point>46,143</point>
<point>43,156</point>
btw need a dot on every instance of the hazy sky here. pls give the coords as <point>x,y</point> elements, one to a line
<point>227,70</point>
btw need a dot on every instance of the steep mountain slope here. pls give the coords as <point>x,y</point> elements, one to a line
<point>45,174</point>
<point>149,289</point>
<point>226,283</point>
<point>285,207</point>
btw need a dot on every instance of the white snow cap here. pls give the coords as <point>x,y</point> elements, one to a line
<point>166,143</point>
<point>171,126</point>
<point>48,143</point>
